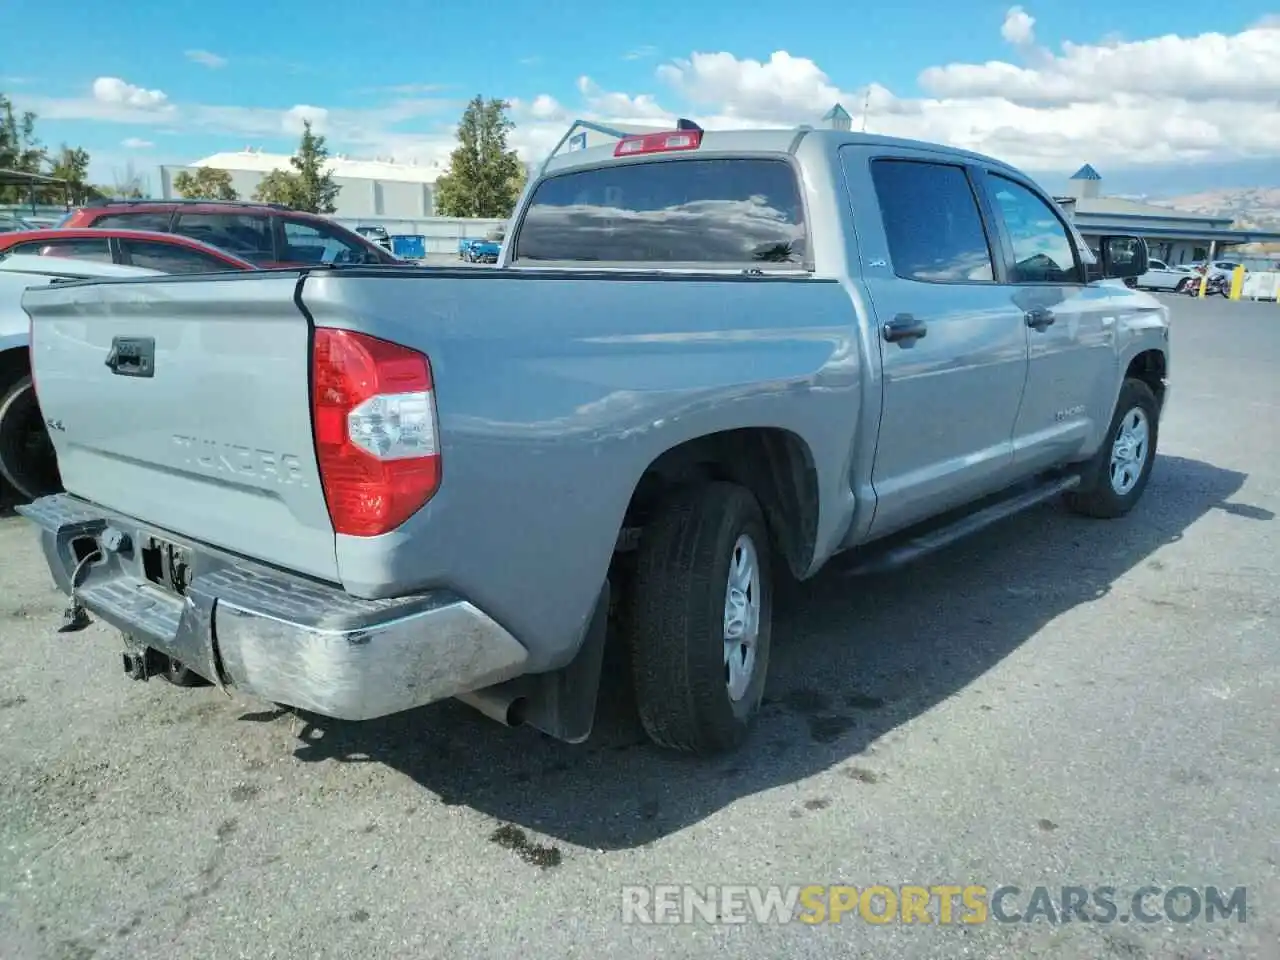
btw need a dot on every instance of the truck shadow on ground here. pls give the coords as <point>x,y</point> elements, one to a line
<point>853,659</point>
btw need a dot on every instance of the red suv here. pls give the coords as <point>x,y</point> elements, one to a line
<point>169,253</point>
<point>267,234</point>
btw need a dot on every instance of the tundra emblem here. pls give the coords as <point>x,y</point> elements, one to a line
<point>212,456</point>
<point>1068,413</point>
<point>55,424</point>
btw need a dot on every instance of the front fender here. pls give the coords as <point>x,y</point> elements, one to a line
<point>1142,326</point>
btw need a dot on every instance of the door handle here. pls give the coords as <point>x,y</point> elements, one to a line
<point>132,356</point>
<point>1039,318</point>
<point>904,327</point>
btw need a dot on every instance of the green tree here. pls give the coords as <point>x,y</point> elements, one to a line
<point>308,186</point>
<point>316,191</point>
<point>206,183</point>
<point>484,176</point>
<point>278,186</point>
<point>20,149</point>
<point>70,165</point>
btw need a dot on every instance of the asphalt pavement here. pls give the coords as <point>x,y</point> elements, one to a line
<point>1058,702</point>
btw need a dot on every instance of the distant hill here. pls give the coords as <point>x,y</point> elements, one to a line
<point>1250,207</point>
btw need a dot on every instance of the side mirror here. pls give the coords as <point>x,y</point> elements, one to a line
<point>1123,257</point>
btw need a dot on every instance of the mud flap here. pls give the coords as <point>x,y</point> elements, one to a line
<point>562,703</point>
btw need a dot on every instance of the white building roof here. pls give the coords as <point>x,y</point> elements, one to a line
<point>255,161</point>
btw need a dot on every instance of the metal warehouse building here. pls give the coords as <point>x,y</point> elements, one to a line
<point>371,189</point>
<point>1171,234</point>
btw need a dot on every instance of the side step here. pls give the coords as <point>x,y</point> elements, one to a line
<point>907,551</point>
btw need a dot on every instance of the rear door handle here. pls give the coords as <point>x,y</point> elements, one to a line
<point>904,327</point>
<point>1039,318</point>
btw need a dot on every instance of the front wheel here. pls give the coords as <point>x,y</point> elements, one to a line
<point>27,458</point>
<point>699,619</point>
<point>1119,472</point>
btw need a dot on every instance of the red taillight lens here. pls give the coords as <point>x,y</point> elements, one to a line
<point>658,143</point>
<point>373,412</point>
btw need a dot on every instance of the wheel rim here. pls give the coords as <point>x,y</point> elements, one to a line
<point>741,617</point>
<point>1129,452</point>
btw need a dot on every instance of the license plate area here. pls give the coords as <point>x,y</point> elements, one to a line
<point>167,565</point>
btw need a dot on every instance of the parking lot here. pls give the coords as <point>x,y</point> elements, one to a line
<point>1056,702</point>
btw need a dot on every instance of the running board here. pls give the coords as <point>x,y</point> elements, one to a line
<point>918,546</point>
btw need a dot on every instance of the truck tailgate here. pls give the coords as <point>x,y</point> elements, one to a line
<point>186,404</point>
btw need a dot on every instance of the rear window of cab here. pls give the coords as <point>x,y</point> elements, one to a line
<point>731,211</point>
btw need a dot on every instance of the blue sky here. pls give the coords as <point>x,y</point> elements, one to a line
<point>391,78</point>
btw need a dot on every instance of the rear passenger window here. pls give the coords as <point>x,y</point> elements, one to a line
<point>78,248</point>
<point>1042,251</point>
<point>135,221</point>
<point>736,210</point>
<point>932,222</point>
<point>170,258</point>
<point>245,235</point>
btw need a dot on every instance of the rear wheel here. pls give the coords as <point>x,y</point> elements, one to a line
<point>699,617</point>
<point>181,676</point>
<point>27,457</point>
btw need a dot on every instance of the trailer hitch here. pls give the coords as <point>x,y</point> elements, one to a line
<point>145,663</point>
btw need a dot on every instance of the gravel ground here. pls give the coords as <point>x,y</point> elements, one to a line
<point>1054,702</point>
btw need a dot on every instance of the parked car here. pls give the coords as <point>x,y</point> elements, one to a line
<point>1161,276</point>
<point>390,486</point>
<point>27,460</point>
<point>475,250</point>
<point>377,234</point>
<point>8,223</point>
<point>164,252</point>
<point>267,234</point>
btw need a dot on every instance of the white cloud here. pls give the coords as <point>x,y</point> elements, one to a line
<point>136,143</point>
<point>546,107</point>
<point>206,59</point>
<point>294,117</point>
<point>1019,27</point>
<point>1212,66</point>
<point>609,105</point>
<point>1124,103</point>
<point>114,91</point>
<point>641,53</point>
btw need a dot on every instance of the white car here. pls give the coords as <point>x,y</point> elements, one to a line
<point>1161,276</point>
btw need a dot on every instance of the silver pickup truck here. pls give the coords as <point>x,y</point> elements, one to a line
<point>705,361</point>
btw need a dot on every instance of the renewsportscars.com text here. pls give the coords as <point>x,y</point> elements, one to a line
<point>933,904</point>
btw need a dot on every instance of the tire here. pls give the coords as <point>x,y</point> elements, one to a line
<point>181,676</point>
<point>675,620</point>
<point>1115,486</point>
<point>27,458</point>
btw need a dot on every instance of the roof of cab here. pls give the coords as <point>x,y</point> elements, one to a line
<point>764,141</point>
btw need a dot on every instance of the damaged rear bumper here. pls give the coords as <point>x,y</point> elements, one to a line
<point>272,635</point>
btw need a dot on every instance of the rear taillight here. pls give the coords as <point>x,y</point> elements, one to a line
<point>374,417</point>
